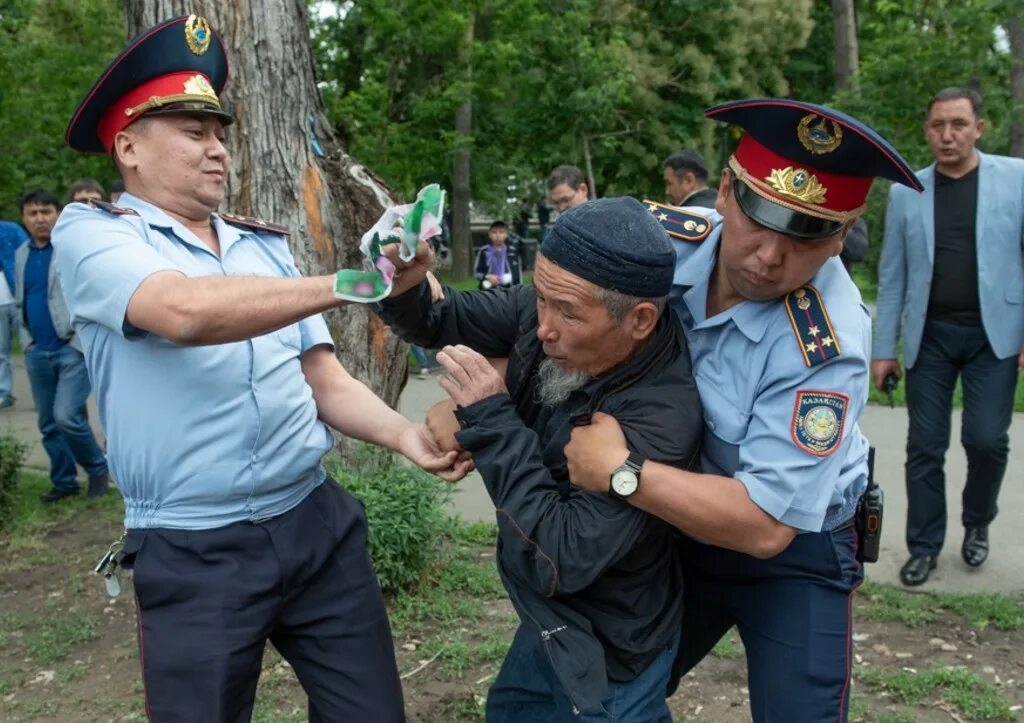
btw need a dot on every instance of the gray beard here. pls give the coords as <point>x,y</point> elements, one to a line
<point>556,385</point>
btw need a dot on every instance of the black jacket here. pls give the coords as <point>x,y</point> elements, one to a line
<point>596,578</point>
<point>705,197</point>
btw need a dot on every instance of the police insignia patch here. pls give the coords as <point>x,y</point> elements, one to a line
<point>254,224</point>
<point>680,223</point>
<point>818,419</point>
<point>115,210</point>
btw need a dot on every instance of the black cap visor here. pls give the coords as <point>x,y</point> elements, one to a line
<point>779,218</point>
<point>189,108</point>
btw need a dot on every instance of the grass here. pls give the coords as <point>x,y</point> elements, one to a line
<point>53,639</point>
<point>958,686</point>
<point>728,647</point>
<point>24,542</point>
<point>886,603</point>
<point>899,396</point>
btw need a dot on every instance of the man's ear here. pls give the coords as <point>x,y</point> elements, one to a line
<point>123,150</point>
<point>724,191</point>
<point>642,319</point>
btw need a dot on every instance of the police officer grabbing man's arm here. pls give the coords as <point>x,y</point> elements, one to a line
<point>779,341</point>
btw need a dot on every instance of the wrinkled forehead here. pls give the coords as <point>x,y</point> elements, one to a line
<point>555,283</point>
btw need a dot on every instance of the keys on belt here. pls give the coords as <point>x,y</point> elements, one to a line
<point>108,565</point>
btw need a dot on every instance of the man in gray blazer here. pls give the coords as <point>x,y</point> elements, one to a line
<point>952,273</point>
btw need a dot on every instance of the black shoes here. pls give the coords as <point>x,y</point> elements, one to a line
<point>917,569</point>
<point>98,485</point>
<point>975,547</point>
<point>57,494</point>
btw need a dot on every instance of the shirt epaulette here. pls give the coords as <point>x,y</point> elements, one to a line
<point>813,329</point>
<point>681,223</point>
<point>116,210</point>
<point>254,224</point>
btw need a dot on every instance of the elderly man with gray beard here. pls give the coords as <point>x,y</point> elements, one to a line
<point>595,582</point>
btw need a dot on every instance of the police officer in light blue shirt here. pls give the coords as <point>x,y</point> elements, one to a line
<point>216,383</point>
<point>780,342</point>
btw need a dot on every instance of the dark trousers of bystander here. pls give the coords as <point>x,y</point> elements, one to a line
<point>947,351</point>
<point>208,601</point>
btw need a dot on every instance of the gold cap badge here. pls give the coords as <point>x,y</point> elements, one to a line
<point>198,34</point>
<point>821,137</point>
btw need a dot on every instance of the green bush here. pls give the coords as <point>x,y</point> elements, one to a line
<point>405,512</point>
<point>12,453</point>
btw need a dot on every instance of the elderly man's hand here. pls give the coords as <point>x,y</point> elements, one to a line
<point>595,451</point>
<point>470,376</point>
<point>443,425</point>
<point>409,273</point>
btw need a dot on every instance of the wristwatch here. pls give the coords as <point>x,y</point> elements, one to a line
<point>625,480</point>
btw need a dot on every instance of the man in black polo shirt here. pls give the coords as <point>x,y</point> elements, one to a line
<point>952,272</point>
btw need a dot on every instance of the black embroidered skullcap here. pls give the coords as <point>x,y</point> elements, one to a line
<point>614,243</point>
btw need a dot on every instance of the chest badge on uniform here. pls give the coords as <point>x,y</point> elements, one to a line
<point>818,419</point>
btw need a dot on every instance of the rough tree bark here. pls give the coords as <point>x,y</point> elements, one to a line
<point>1015,31</point>
<point>328,201</point>
<point>844,34</point>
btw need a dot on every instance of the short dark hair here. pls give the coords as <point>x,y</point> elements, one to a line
<point>84,184</point>
<point>569,175</point>
<point>688,160</point>
<point>117,186</point>
<point>40,197</point>
<point>498,224</point>
<point>956,93</point>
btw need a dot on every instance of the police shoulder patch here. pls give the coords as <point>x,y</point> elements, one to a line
<point>255,224</point>
<point>681,223</point>
<point>818,419</point>
<point>115,210</point>
<point>817,339</point>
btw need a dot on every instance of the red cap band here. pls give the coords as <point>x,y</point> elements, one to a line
<point>181,87</point>
<point>809,188</point>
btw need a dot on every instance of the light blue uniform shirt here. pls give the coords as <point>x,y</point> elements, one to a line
<point>198,437</point>
<point>752,377</point>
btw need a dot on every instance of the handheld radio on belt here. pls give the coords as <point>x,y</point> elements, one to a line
<point>869,516</point>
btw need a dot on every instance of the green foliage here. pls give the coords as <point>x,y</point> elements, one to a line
<point>406,517</point>
<point>976,699</point>
<point>631,78</point>
<point>12,454</point>
<point>51,51</point>
<point>919,48</point>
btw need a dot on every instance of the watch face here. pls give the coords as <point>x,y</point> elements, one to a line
<point>624,482</point>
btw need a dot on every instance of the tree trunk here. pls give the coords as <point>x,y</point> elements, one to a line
<point>844,33</point>
<point>591,185</point>
<point>462,235</point>
<point>327,199</point>
<point>1015,31</point>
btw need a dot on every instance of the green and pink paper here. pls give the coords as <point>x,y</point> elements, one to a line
<point>405,225</point>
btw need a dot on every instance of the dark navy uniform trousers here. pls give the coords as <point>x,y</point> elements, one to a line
<point>793,613</point>
<point>208,600</point>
